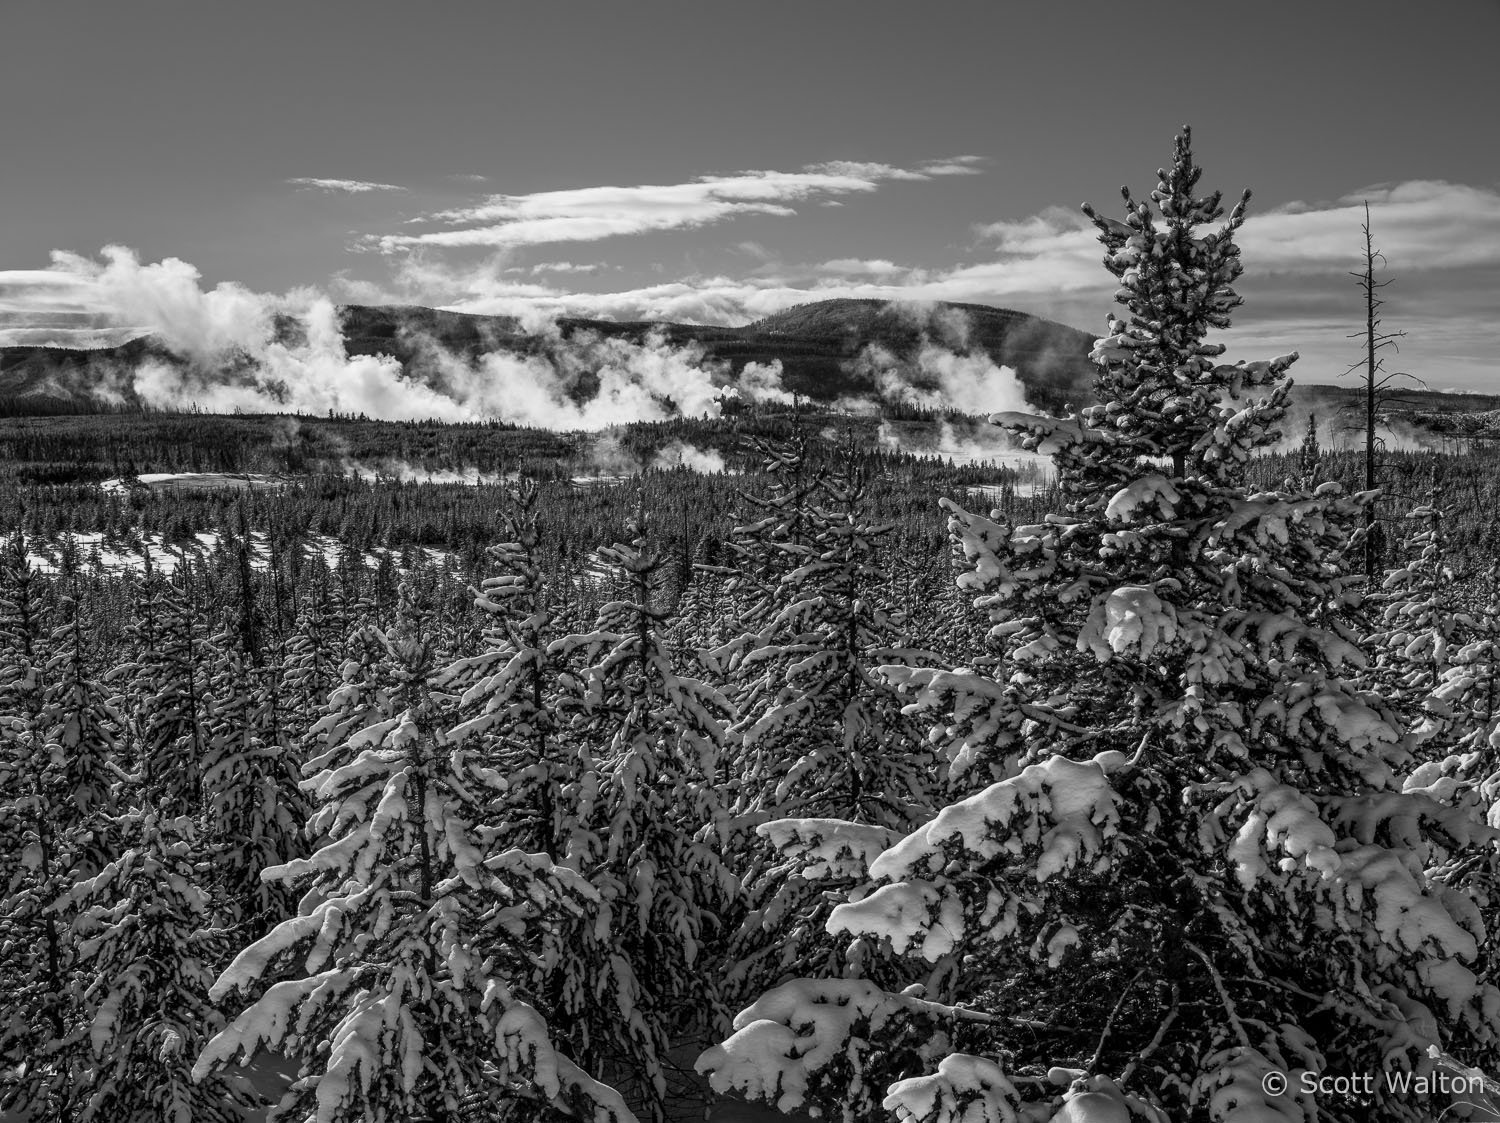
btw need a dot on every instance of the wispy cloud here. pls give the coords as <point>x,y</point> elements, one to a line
<point>1418,225</point>
<point>342,186</point>
<point>861,267</point>
<point>566,267</point>
<point>592,213</point>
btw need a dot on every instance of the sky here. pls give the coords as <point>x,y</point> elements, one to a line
<point>714,162</point>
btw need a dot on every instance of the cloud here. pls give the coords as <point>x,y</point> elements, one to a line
<point>955,165</point>
<point>566,267</point>
<point>343,186</point>
<point>592,213</point>
<point>1420,224</point>
<point>855,267</point>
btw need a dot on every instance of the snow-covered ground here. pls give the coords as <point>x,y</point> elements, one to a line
<point>95,549</point>
<point>194,481</point>
<point>993,492</point>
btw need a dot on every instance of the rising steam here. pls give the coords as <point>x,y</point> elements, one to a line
<point>234,349</point>
<point>944,372</point>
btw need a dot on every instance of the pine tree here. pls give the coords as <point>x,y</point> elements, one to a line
<point>36,964</point>
<point>254,810</point>
<point>1202,866</point>
<point>146,942</point>
<point>166,684</point>
<point>61,783</point>
<point>643,977</point>
<point>824,734</point>
<point>770,538</point>
<point>509,691</point>
<point>1421,624</point>
<point>831,768</point>
<point>312,656</point>
<point>396,1014</point>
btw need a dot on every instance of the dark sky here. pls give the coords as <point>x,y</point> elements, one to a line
<point>178,130</point>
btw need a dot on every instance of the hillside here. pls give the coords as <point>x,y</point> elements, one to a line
<point>817,345</point>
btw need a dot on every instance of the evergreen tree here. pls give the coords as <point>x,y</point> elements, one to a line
<point>166,683</point>
<point>824,735</point>
<point>1203,866</point>
<point>312,656</point>
<point>770,538</point>
<point>36,963</point>
<point>255,811</point>
<point>509,692</point>
<point>832,770</point>
<point>643,977</point>
<point>1421,624</point>
<point>57,733</point>
<point>396,1015</point>
<point>146,941</point>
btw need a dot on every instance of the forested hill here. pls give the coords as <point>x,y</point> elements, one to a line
<point>818,345</point>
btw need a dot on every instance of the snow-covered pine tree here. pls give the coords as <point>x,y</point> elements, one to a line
<point>643,978</point>
<point>822,734</point>
<point>770,538</point>
<point>61,783</point>
<point>35,959</point>
<point>254,810</point>
<point>146,941</point>
<point>311,657</point>
<point>508,692</point>
<point>83,726</point>
<point>1202,867</point>
<point>1421,623</point>
<point>392,1013</point>
<point>166,687</point>
<point>1310,454</point>
<point>1467,704</point>
<point>831,769</point>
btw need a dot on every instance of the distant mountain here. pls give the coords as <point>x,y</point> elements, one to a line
<point>819,346</point>
<point>62,375</point>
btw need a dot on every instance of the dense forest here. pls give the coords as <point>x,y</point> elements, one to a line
<point>561,781</point>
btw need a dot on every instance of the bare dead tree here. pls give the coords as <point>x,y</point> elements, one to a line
<point>1382,387</point>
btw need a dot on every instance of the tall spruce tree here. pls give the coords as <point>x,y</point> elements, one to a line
<point>167,688</point>
<point>254,810</point>
<point>60,784</point>
<point>644,975</point>
<point>508,692</point>
<point>831,770</point>
<point>1202,866</point>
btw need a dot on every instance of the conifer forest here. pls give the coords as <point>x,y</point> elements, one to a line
<point>1145,784</point>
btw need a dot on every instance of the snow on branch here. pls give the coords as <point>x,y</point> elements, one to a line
<point>832,848</point>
